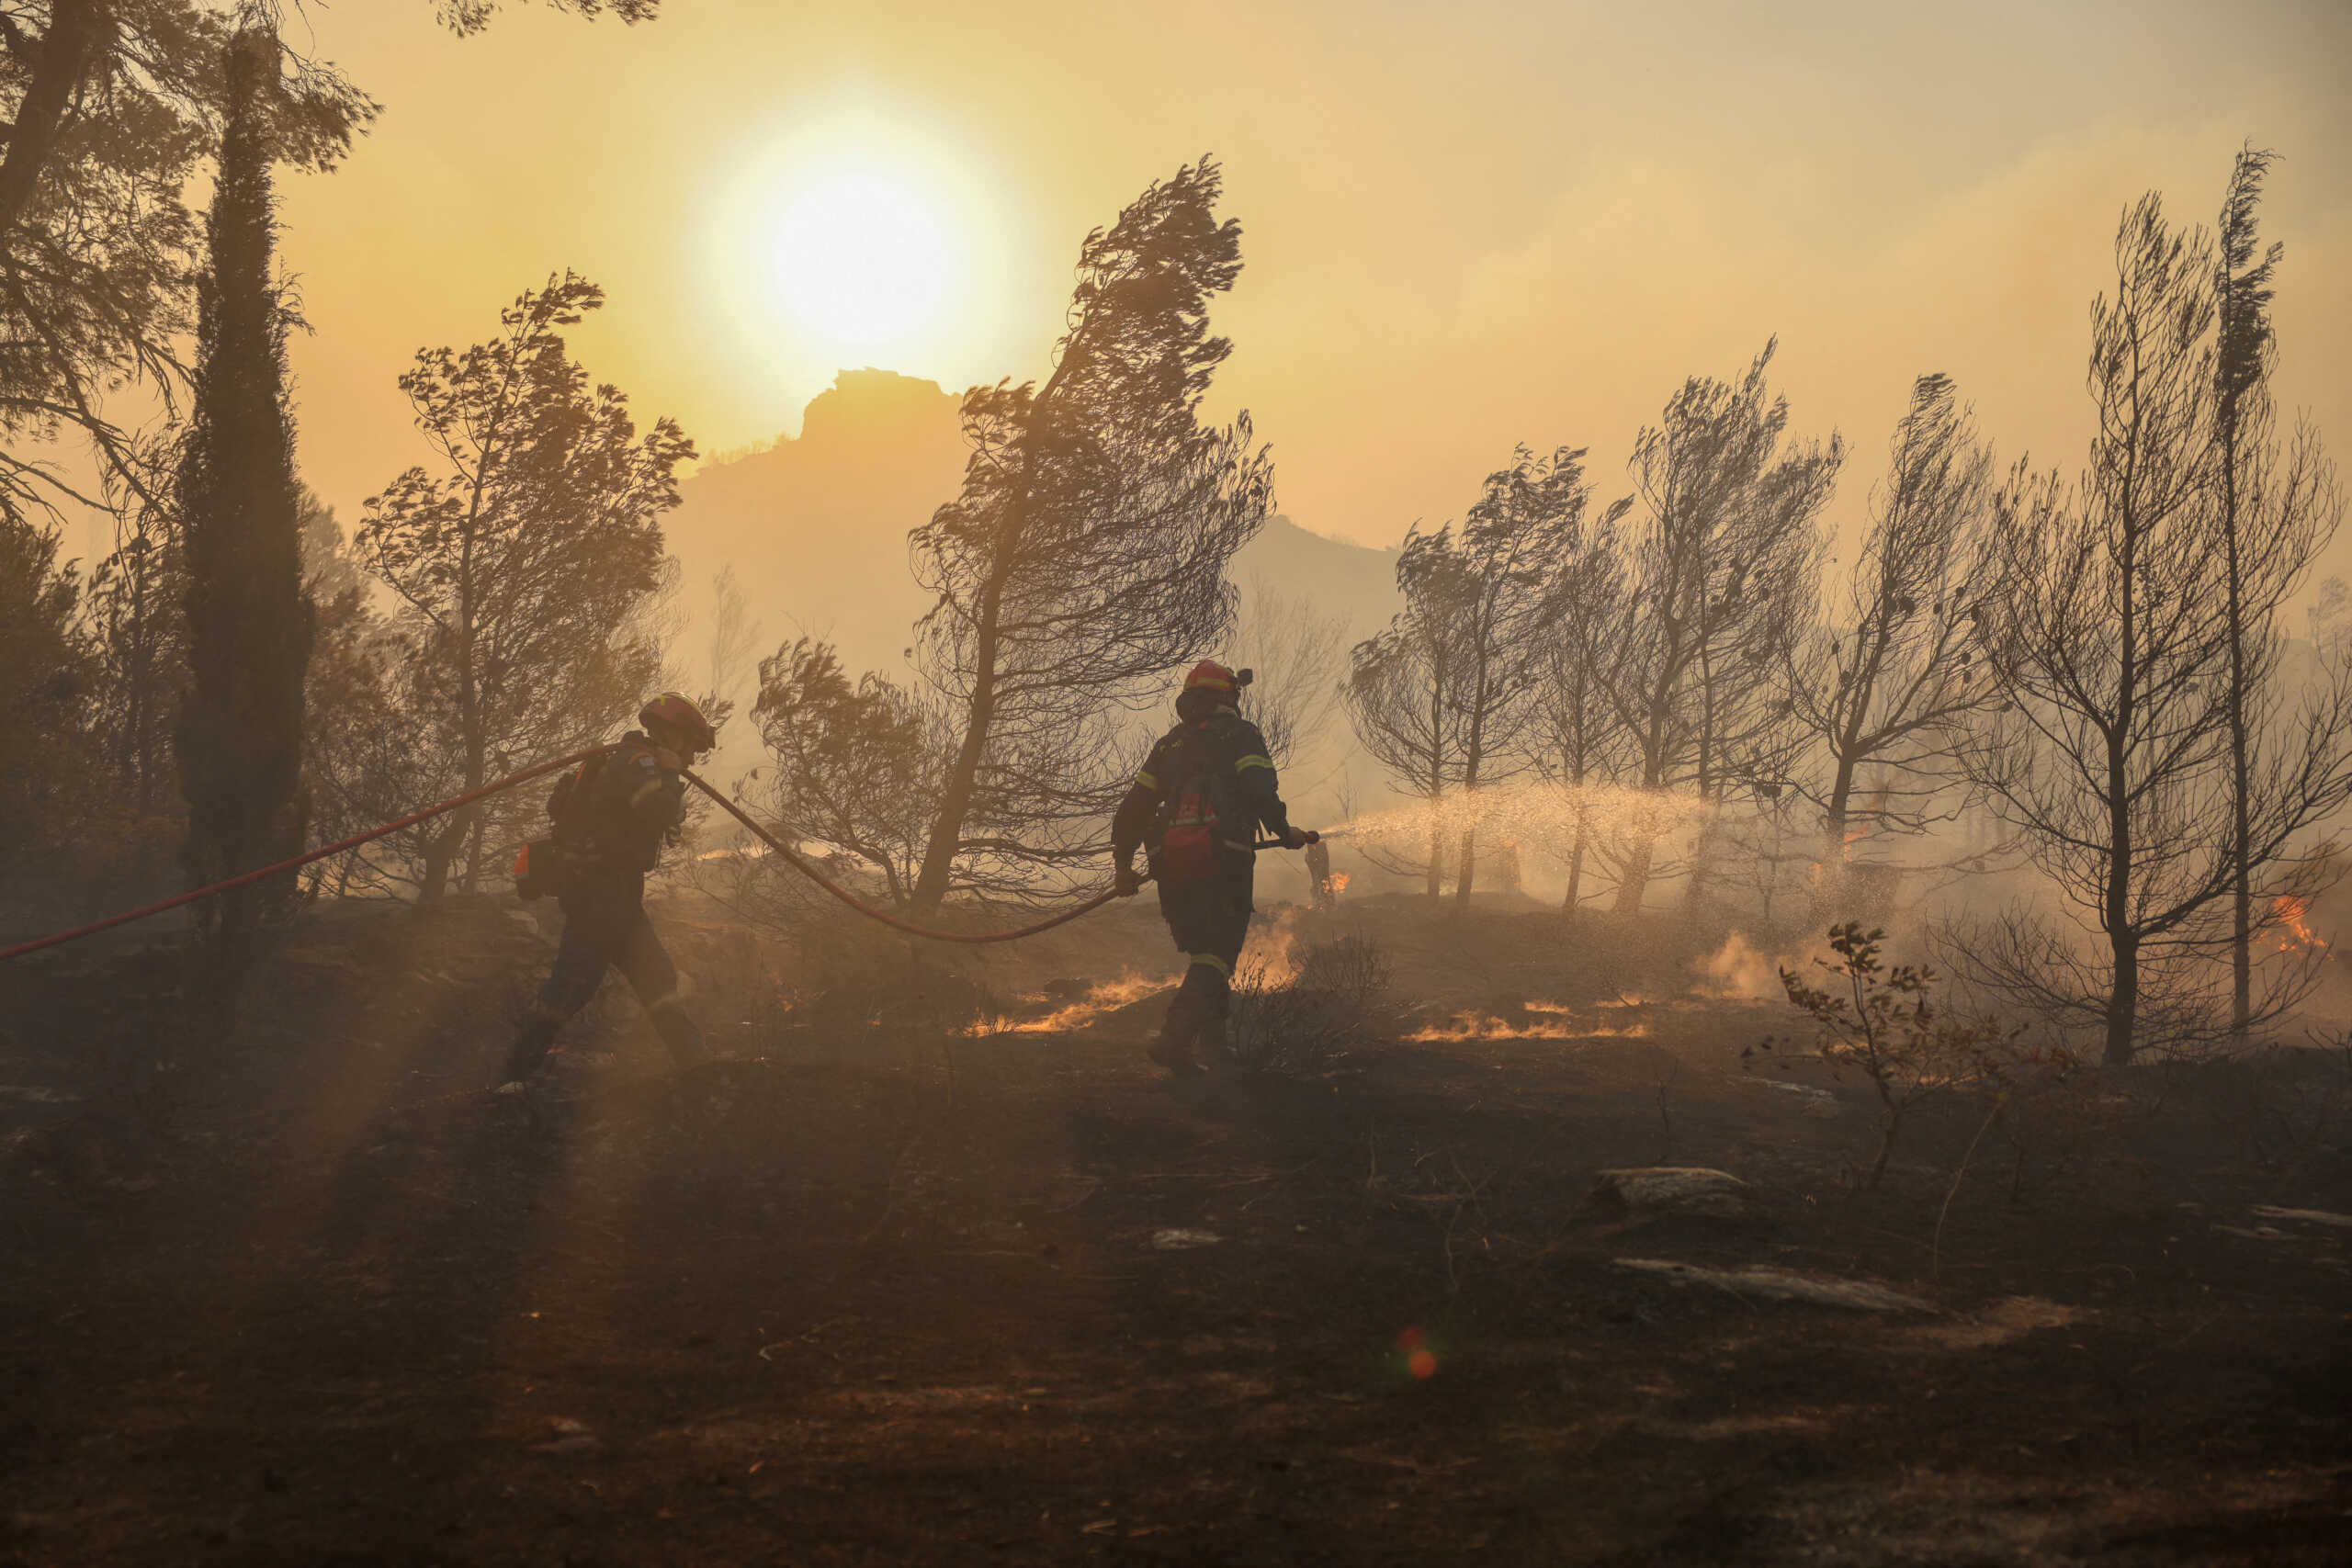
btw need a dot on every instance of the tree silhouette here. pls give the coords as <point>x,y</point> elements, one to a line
<point>1401,699</point>
<point>1086,553</point>
<point>525,561</point>
<point>111,107</point>
<point>1890,683</point>
<point>1724,557</point>
<point>2275,518</point>
<point>852,766</point>
<point>2112,751</point>
<point>249,625</point>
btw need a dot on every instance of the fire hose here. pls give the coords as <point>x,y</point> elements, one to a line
<point>931,933</point>
<point>541,769</point>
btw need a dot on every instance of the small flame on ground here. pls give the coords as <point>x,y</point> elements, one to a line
<point>1105,998</point>
<point>1339,881</point>
<point>1547,1020</point>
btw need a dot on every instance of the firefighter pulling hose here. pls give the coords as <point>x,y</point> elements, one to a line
<point>611,819</point>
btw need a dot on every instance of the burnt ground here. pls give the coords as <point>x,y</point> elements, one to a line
<point>882,1293</point>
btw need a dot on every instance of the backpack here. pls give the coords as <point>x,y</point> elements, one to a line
<point>1189,834</point>
<point>568,803</point>
<point>544,867</point>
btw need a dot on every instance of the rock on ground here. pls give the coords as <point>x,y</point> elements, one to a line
<point>1666,1191</point>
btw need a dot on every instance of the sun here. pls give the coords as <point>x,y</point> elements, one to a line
<point>862,263</point>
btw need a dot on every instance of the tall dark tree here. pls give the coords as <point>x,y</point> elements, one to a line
<point>1086,553</point>
<point>2275,518</point>
<point>249,622</point>
<point>2105,753</point>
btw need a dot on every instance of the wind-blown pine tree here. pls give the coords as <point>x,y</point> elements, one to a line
<point>1086,553</point>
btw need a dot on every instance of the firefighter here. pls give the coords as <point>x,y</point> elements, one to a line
<point>612,817</point>
<point>1195,809</point>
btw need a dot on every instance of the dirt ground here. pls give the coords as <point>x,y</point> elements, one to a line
<point>872,1290</point>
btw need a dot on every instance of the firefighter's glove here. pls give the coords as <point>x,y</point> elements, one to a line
<point>1295,838</point>
<point>1126,882</point>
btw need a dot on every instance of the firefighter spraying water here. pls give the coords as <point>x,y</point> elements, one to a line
<point>1194,810</point>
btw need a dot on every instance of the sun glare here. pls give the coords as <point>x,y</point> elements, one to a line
<point>862,264</point>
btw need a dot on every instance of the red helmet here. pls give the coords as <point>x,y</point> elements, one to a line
<point>1208,675</point>
<point>678,711</point>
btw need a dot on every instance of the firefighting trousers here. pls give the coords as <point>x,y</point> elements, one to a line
<point>1209,920</point>
<point>605,927</point>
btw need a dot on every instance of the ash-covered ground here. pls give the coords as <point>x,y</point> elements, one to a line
<point>933,1267</point>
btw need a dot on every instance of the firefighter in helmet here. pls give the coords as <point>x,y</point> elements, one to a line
<point>612,817</point>
<point>1195,809</point>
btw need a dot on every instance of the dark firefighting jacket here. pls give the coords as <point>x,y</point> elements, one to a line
<point>1242,783</point>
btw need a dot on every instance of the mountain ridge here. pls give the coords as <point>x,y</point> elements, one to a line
<point>814,527</point>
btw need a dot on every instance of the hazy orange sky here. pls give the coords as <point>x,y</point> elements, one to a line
<point>1465,224</point>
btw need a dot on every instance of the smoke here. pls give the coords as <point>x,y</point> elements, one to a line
<point>1737,971</point>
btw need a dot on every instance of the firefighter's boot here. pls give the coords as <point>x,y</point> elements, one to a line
<point>1173,1048</point>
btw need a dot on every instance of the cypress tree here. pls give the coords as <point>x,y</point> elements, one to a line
<point>249,623</point>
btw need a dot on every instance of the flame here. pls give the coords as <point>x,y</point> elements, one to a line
<point>1105,998</point>
<point>2296,935</point>
<point>1339,882</point>
<point>1547,1020</point>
